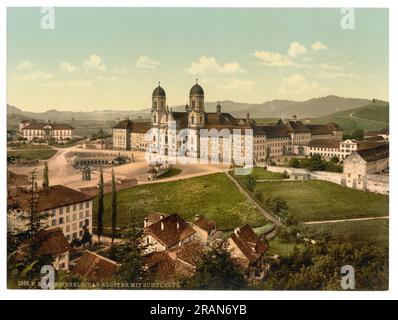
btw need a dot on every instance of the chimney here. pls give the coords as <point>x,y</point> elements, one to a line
<point>218,108</point>
<point>161,217</point>
<point>237,232</point>
<point>186,107</point>
<point>161,225</point>
<point>178,225</point>
<point>294,118</point>
<point>248,116</point>
<point>196,217</point>
<point>145,222</point>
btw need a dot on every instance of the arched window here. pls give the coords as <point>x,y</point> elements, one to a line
<point>154,118</point>
<point>193,103</point>
<point>192,120</point>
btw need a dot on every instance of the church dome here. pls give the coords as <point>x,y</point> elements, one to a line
<point>196,90</point>
<point>159,92</point>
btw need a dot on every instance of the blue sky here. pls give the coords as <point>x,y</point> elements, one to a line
<point>112,58</point>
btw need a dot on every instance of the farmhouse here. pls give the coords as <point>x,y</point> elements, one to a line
<point>204,227</point>
<point>246,247</point>
<point>166,232</point>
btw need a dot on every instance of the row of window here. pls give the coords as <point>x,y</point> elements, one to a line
<point>68,208</point>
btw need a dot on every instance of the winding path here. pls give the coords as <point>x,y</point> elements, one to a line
<point>265,213</point>
<point>346,220</point>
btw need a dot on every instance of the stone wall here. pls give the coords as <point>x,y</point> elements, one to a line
<point>373,183</point>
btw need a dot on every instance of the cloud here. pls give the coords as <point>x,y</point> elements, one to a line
<point>269,58</point>
<point>209,65</point>
<point>229,83</point>
<point>296,49</point>
<point>327,66</point>
<point>146,63</point>
<point>94,62</point>
<point>67,84</point>
<point>333,75</point>
<point>68,67</point>
<point>317,46</point>
<point>121,70</point>
<point>33,76</point>
<point>296,84</point>
<point>24,65</point>
<point>110,78</point>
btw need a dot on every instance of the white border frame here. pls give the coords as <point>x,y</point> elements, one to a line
<point>392,293</point>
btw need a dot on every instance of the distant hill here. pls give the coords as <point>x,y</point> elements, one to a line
<point>329,107</point>
<point>315,107</point>
<point>368,117</point>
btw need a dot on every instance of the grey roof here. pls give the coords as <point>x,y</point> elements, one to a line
<point>159,92</point>
<point>374,154</point>
<point>324,143</point>
<point>196,90</point>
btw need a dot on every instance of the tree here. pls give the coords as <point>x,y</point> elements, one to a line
<point>25,260</point>
<point>46,182</point>
<point>217,270</point>
<point>278,207</point>
<point>100,213</point>
<point>317,267</point>
<point>294,163</point>
<point>316,163</point>
<point>114,205</point>
<point>250,182</point>
<point>35,220</point>
<point>130,254</point>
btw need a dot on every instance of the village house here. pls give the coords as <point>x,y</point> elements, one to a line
<point>53,242</point>
<point>66,208</point>
<point>205,228</point>
<point>175,264</point>
<point>95,267</point>
<point>247,248</point>
<point>50,242</point>
<point>368,169</point>
<point>32,129</point>
<point>163,232</point>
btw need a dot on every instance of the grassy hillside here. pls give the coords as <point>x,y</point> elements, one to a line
<point>214,196</point>
<point>369,117</point>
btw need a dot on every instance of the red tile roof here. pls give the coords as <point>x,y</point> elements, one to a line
<point>52,241</point>
<point>53,197</point>
<point>205,223</point>
<point>174,230</point>
<point>51,125</point>
<point>95,267</point>
<point>248,243</point>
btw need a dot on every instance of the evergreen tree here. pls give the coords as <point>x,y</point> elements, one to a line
<point>46,182</point>
<point>114,206</point>
<point>100,213</point>
<point>130,254</point>
<point>25,260</point>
